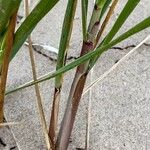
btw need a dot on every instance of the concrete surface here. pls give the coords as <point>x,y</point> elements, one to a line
<point>120,103</point>
<point>120,108</point>
<point>7,141</point>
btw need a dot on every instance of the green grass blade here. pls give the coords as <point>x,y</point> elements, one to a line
<point>106,5</point>
<point>42,8</point>
<point>2,46</point>
<point>139,27</point>
<point>127,10</point>
<point>65,38</point>
<point>62,55</point>
<point>8,7</point>
<point>84,4</point>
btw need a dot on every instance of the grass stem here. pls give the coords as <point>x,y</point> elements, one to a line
<point>37,90</point>
<point>5,62</point>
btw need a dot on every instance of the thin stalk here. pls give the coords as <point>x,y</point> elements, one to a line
<point>5,62</point>
<point>62,55</point>
<point>70,113</point>
<point>105,22</point>
<point>37,90</point>
<point>79,80</point>
<point>8,124</point>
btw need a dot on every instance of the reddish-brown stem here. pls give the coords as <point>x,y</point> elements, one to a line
<point>70,114</point>
<point>5,62</point>
<point>73,101</point>
<point>78,83</point>
<point>54,116</point>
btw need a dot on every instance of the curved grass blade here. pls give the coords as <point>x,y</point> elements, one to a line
<point>42,8</point>
<point>127,10</point>
<point>139,27</point>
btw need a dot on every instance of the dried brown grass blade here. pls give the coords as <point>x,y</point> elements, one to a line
<point>105,22</point>
<point>5,63</point>
<point>9,124</point>
<point>88,121</point>
<point>37,90</point>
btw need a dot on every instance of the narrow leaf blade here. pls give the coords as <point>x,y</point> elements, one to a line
<point>127,10</point>
<point>65,37</point>
<point>139,27</point>
<point>42,8</point>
